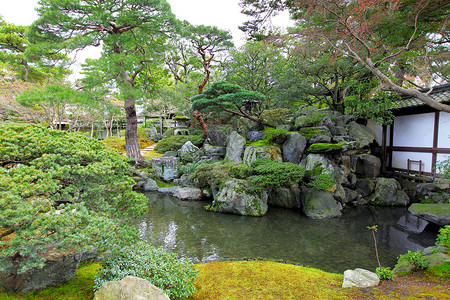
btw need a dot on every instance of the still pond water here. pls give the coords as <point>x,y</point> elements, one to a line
<point>332,245</point>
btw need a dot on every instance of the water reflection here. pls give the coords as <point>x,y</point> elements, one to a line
<point>332,245</point>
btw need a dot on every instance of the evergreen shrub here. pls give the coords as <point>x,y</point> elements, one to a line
<point>323,181</point>
<point>61,190</point>
<point>164,270</point>
<point>269,174</point>
<point>443,238</point>
<point>175,142</point>
<point>384,273</point>
<point>217,173</point>
<point>415,259</point>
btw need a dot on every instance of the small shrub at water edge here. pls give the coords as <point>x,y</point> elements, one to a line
<point>323,181</point>
<point>384,273</point>
<point>175,277</point>
<point>443,238</point>
<point>415,259</point>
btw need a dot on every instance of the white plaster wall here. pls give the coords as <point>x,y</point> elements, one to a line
<point>400,160</point>
<point>377,130</point>
<point>444,130</point>
<point>414,130</point>
<point>388,134</point>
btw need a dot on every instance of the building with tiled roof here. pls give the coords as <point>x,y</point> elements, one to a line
<point>419,136</point>
<point>408,104</point>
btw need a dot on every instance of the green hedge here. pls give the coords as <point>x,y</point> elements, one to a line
<point>175,142</point>
<point>62,189</point>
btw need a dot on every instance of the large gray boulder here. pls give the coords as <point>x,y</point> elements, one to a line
<point>361,134</point>
<point>150,185</point>
<point>235,147</point>
<point>188,147</point>
<point>152,133</point>
<point>437,193</point>
<point>317,163</point>
<point>285,197</point>
<point>254,136</point>
<point>183,181</point>
<point>189,152</point>
<point>293,148</point>
<point>319,204</point>
<point>435,213</point>
<point>389,192</point>
<point>365,187</point>
<point>168,190</point>
<point>368,166</point>
<point>236,198</point>
<point>343,120</point>
<point>166,168</point>
<point>253,153</point>
<point>217,138</point>
<point>214,152</point>
<point>60,267</point>
<point>435,259</point>
<point>360,278</point>
<point>130,288</point>
<point>188,193</point>
<point>320,134</point>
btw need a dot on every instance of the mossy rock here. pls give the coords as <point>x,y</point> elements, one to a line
<point>436,259</point>
<point>436,213</point>
<point>325,147</point>
<point>402,268</point>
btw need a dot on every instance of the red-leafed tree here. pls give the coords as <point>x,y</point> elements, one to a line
<point>390,38</point>
<point>208,41</point>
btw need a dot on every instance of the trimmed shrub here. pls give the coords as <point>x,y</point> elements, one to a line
<point>175,142</point>
<point>323,181</point>
<point>384,273</point>
<point>415,259</point>
<point>64,190</point>
<point>269,173</point>
<point>275,135</point>
<point>443,238</point>
<point>175,277</point>
<point>216,174</point>
<point>275,116</point>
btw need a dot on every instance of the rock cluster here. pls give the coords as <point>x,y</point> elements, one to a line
<point>321,141</point>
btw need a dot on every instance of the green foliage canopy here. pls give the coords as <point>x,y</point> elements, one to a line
<point>226,97</point>
<point>132,34</point>
<point>175,277</point>
<point>27,59</point>
<point>271,174</point>
<point>61,190</point>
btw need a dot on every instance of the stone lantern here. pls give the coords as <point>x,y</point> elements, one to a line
<point>181,125</point>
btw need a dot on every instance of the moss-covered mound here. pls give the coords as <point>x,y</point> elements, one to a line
<point>265,280</point>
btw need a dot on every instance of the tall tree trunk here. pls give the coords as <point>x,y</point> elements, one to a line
<point>131,142</point>
<point>25,70</point>
<point>206,66</point>
<point>202,124</point>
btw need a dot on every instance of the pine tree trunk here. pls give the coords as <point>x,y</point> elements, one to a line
<point>131,142</point>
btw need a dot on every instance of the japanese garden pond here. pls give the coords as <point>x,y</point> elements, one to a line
<point>332,245</point>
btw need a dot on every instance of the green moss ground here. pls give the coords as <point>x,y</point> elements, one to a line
<point>79,287</point>
<point>436,209</point>
<point>265,280</point>
<point>268,280</point>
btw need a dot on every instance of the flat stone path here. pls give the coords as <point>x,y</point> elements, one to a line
<point>147,149</point>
